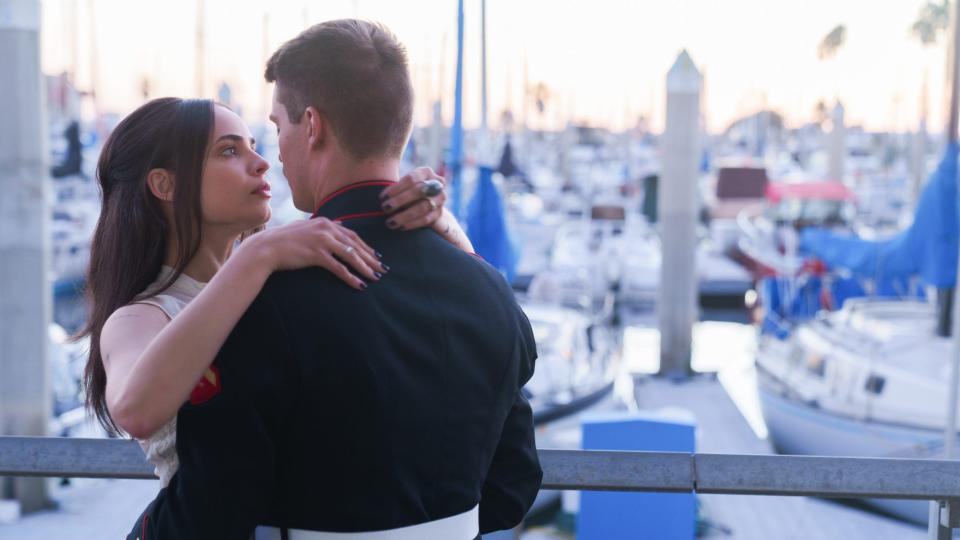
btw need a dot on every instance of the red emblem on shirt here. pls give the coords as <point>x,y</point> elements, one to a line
<point>208,386</point>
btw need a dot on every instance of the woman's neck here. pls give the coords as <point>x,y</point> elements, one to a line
<point>210,256</point>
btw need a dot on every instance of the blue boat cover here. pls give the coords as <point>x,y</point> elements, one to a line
<point>927,249</point>
<point>487,227</point>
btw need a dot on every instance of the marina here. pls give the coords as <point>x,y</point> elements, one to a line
<point>711,304</point>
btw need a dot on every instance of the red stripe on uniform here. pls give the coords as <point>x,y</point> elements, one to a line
<point>360,215</point>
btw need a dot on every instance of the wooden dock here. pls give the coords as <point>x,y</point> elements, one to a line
<point>88,510</point>
<point>721,428</point>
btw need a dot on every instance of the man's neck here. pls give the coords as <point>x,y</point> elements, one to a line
<point>360,171</point>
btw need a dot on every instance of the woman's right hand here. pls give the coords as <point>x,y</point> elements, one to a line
<point>318,242</point>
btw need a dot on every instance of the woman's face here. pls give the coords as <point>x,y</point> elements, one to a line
<point>234,193</point>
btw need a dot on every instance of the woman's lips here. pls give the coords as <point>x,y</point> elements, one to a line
<point>262,190</point>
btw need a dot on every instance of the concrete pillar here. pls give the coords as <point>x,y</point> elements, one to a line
<point>838,144</point>
<point>677,208</point>
<point>25,302</point>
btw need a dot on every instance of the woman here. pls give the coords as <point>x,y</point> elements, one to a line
<point>181,183</point>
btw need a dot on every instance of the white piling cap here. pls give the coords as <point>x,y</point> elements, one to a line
<point>684,77</point>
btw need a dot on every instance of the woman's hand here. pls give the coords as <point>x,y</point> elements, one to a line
<point>318,242</point>
<point>408,205</point>
<point>411,206</point>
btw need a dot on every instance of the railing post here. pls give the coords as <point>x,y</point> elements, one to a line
<point>944,520</point>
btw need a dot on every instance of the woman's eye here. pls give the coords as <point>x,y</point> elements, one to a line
<point>229,151</point>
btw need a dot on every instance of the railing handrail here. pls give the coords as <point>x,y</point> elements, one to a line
<point>831,477</point>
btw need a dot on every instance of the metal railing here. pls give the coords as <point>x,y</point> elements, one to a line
<point>829,477</point>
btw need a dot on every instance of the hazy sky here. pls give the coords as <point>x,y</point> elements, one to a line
<point>604,60</point>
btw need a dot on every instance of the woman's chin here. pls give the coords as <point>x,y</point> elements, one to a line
<point>260,220</point>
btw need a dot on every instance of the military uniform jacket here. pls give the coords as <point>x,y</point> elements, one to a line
<point>341,410</point>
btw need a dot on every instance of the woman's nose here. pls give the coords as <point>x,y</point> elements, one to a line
<point>261,165</point>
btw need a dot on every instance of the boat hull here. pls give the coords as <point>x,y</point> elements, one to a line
<point>803,429</point>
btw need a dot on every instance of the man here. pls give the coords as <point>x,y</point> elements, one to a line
<point>396,409</point>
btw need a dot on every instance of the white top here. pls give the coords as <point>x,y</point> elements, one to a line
<point>161,447</point>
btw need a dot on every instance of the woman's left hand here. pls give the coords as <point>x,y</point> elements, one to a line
<point>407,204</point>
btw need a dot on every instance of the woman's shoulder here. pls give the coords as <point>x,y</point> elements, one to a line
<point>138,309</point>
<point>133,325</point>
<point>133,317</point>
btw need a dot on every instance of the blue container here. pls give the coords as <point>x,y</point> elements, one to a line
<point>657,516</point>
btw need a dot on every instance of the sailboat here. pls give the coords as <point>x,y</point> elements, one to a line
<point>869,379</point>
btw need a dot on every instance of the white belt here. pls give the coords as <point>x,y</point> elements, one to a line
<point>465,526</point>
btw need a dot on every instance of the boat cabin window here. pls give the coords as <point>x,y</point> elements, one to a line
<point>590,338</point>
<point>811,212</point>
<point>608,212</point>
<point>817,364</point>
<point>875,384</point>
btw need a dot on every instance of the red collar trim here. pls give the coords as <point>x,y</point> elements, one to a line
<point>359,215</point>
<point>345,189</point>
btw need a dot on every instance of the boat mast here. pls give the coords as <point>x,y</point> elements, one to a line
<point>94,72</point>
<point>456,136</point>
<point>483,63</point>
<point>199,67</point>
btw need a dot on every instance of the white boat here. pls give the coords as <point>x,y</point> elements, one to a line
<point>867,380</point>
<point>576,372</point>
<point>75,210</point>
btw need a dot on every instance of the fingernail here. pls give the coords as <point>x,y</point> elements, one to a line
<point>363,285</point>
<point>378,275</point>
<point>379,255</point>
<point>385,267</point>
<point>387,207</point>
<point>391,223</point>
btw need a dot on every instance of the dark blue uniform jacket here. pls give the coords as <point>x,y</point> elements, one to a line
<point>344,410</point>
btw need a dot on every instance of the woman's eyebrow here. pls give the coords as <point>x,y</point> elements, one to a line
<point>237,138</point>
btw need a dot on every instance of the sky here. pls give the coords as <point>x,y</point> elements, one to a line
<point>603,61</point>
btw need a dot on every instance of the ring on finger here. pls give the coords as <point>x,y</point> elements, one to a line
<point>432,188</point>
<point>349,250</point>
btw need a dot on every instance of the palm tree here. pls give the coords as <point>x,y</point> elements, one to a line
<point>832,42</point>
<point>830,45</point>
<point>933,19</point>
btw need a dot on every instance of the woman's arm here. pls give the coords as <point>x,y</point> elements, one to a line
<point>450,228</point>
<point>152,364</point>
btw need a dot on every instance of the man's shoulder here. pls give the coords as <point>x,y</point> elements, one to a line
<point>292,280</point>
<point>296,285</point>
<point>491,274</point>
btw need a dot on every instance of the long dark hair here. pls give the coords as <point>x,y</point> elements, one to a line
<point>130,242</point>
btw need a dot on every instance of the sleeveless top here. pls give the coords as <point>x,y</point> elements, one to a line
<point>161,447</point>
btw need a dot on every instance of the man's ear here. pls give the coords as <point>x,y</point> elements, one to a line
<point>316,127</point>
<point>161,184</point>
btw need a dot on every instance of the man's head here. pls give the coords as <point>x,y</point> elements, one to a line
<point>343,98</point>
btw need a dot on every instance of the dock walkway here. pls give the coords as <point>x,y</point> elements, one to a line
<point>721,428</point>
